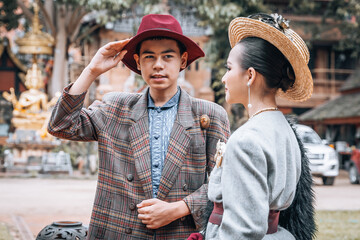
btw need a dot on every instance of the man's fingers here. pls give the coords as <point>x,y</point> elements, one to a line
<point>147,202</point>
<point>143,217</point>
<point>144,210</point>
<point>119,45</point>
<point>120,55</point>
<point>112,48</point>
<point>151,226</point>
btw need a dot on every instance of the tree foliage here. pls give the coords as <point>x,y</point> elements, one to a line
<point>348,13</point>
<point>9,21</point>
<point>345,14</point>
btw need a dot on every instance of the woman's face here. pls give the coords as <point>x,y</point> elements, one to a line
<point>236,78</point>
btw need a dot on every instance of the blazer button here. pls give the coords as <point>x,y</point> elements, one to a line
<point>185,187</point>
<point>132,206</point>
<point>130,177</point>
<point>128,230</point>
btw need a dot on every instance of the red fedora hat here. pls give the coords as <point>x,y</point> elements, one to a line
<point>157,25</point>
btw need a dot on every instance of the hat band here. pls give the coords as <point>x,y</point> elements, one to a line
<point>167,29</point>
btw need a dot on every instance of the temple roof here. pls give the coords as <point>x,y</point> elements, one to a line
<point>353,81</point>
<point>344,106</point>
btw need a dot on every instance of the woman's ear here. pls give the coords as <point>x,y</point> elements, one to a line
<point>251,72</point>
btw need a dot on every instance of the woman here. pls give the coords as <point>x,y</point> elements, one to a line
<point>261,186</point>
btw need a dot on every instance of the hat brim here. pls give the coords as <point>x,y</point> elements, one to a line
<point>297,54</point>
<point>193,49</point>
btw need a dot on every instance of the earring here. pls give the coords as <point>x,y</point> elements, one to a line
<point>249,104</point>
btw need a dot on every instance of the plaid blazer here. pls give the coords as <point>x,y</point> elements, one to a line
<point>120,125</point>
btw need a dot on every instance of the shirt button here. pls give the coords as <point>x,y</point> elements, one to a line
<point>185,187</point>
<point>132,206</point>
<point>156,164</point>
<point>156,136</point>
<point>130,177</point>
<point>158,109</point>
<point>128,230</point>
<point>182,219</point>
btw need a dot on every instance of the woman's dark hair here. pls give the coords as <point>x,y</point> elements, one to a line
<point>266,59</point>
<point>181,46</point>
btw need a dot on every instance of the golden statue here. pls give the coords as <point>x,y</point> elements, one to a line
<point>32,100</point>
<point>31,110</point>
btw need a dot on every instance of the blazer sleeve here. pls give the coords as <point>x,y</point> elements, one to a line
<point>198,201</point>
<point>70,120</point>
<point>245,190</point>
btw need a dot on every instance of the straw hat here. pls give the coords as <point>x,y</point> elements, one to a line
<point>275,29</point>
<point>158,25</point>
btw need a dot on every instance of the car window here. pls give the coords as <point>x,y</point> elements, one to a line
<point>309,137</point>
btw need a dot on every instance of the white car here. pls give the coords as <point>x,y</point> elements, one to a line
<point>323,159</point>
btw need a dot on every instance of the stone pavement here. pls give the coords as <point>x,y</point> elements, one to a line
<point>29,204</point>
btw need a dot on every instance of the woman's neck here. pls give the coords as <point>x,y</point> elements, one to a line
<point>258,105</point>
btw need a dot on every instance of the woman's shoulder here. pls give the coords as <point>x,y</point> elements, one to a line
<point>261,130</point>
<point>246,136</point>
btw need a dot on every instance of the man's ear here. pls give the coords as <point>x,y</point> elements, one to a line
<point>137,60</point>
<point>183,60</point>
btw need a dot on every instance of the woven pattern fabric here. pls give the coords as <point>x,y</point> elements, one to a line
<point>120,124</point>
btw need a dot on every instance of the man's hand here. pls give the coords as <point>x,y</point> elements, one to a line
<point>107,57</point>
<point>155,213</point>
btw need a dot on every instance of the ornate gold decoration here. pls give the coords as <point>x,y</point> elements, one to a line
<point>220,150</point>
<point>35,41</point>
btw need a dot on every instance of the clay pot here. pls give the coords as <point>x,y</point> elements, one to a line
<point>68,230</point>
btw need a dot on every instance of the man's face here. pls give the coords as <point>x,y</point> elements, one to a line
<point>160,62</point>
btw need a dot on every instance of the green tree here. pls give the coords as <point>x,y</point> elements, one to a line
<point>9,21</point>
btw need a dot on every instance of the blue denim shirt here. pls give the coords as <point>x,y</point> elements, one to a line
<point>161,121</point>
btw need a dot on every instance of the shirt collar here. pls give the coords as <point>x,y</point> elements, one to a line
<point>172,102</point>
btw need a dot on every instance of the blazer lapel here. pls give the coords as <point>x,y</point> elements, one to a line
<point>140,144</point>
<point>178,145</point>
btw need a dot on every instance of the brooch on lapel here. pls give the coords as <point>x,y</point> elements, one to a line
<point>204,121</point>
<point>220,150</point>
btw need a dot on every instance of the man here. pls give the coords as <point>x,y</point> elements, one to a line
<point>155,149</point>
